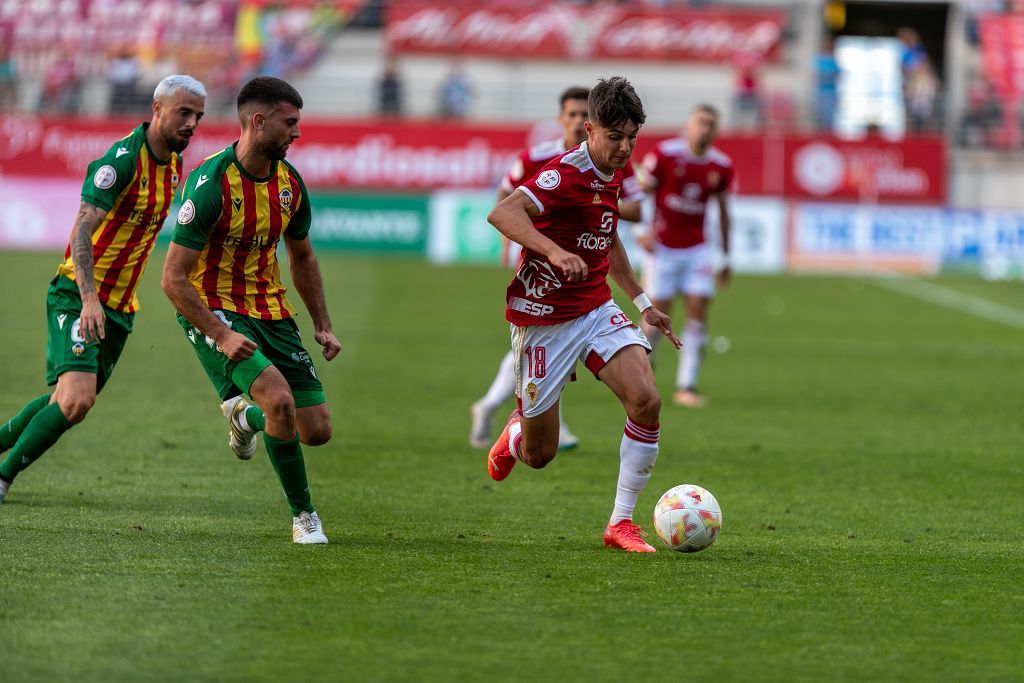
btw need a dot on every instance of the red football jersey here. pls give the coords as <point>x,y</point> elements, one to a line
<point>684,182</point>
<point>579,211</point>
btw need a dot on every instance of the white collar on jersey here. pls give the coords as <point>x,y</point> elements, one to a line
<point>602,176</point>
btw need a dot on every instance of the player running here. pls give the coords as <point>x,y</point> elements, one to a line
<point>91,302</point>
<point>683,173</point>
<point>572,117</point>
<point>561,310</point>
<point>222,276</point>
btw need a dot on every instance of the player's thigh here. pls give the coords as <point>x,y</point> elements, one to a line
<point>229,378</point>
<point>545,360</point>
<point>628,374</point>
<point>699,277</point>
<point>281,343</point>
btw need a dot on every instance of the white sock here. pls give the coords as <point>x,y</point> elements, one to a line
<point>695,336</point>
<point>504,384</point>
<point>515,441</point>
<point>637,453</point>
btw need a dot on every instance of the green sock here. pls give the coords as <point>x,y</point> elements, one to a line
<point>39,434</point>
<point>254,416</point>
<point>10,432</point>
<point>286,457</point>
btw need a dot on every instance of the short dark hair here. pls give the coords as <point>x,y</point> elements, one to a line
<point>706,108</point>
<point>268,91</point>
<point>613,102</point>
<point>574,93</point>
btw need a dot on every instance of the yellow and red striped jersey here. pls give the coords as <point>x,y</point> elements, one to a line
<point>236,221</point>
<point>136,190</point>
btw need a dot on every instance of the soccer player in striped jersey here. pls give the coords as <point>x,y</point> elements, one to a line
<point>91,302</point>
<point>222,276</point>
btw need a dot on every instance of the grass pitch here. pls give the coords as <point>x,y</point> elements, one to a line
<point>866,449</point>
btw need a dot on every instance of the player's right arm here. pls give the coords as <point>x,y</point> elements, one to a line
<point>513,217</point>
<point>174,281</point>
<point>203,203</point>
<point>92,320</point>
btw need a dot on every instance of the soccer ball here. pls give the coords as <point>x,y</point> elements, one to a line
<point>687,518</point>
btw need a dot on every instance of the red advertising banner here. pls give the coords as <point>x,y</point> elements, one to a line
<point>561,30</point>
<point>416,156</point>
<point>871,170</point>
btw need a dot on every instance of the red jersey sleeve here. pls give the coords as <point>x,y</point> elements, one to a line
<point>726,182</point>
<point>552,189</point>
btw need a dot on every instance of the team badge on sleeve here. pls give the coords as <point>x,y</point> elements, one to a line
<point>187,212</point>
<point>549,179</point>
<point>285,197</point>
<point>104,177</point>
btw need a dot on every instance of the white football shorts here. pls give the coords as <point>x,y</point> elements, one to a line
<point>546,355</point>
<point>688,271</point>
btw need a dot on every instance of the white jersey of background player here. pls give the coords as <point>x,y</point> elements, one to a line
<point>683,174</point>
<point>572,117</point>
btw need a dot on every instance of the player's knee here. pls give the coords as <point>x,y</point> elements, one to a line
<point>77,407</point>
<point>539,456</point>
<point>646,407</point>
<point>317,436</point>
<point>280,406</point>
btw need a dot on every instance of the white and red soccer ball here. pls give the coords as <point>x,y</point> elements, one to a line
<point>687,518</point>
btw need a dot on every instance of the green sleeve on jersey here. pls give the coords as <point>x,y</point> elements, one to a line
<point>200,209</point>
<point>298,226</point>
<point>108,176</point>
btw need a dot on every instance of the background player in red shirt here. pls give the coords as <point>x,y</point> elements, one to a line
<point>561,310</point>
<point>572,117</point>
<point>683,173</point>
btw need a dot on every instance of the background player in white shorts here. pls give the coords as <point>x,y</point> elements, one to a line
<point>561,310</point>
<point>683,173</point>
<point>572,117</point>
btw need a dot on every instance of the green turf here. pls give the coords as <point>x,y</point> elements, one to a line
<point>865,447</point>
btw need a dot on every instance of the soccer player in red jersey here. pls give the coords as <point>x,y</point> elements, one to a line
<point>561,309</point>
<point>683,174</point>
<point>572,117</point>
<point>91,302</point>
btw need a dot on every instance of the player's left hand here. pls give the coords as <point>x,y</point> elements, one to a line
<point>724,277</point>
<point>332,347</point>
<point>655,318</point>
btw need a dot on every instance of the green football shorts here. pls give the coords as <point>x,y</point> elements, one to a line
<point>66,349</point>
<point>277,344</point>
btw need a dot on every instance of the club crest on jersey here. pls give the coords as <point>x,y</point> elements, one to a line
<point>549,179</point>
<point>714,178</point>
<point>104,177</point>
<point>531,393</point>
<point>539,279</point>
<point>186,213</point>
<point>174,179</point>
<point>285,197</point>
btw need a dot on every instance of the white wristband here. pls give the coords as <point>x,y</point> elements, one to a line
<point>642,301</point>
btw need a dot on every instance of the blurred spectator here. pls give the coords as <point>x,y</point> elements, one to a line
<point>748,96</point>
<point>61,87</point>
<point>922,89</point>
<point>123,77</point>
<point>456,94</point>
<point>390,99</point>
<point>8,79</point>
<point>913,50</point>
<point>984,114</point>
<point>827,76</point>
<point>974,9</point>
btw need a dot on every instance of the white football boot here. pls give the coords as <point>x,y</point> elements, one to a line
<point>306,529</point>
<point>566,439</point>
<point>483,425</point>
<point>241,440</point>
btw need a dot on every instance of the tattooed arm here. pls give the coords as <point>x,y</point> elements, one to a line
<point>93,319</point>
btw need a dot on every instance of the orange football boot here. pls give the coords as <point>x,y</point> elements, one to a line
<point>627,536</point>
<point>500,460</point>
